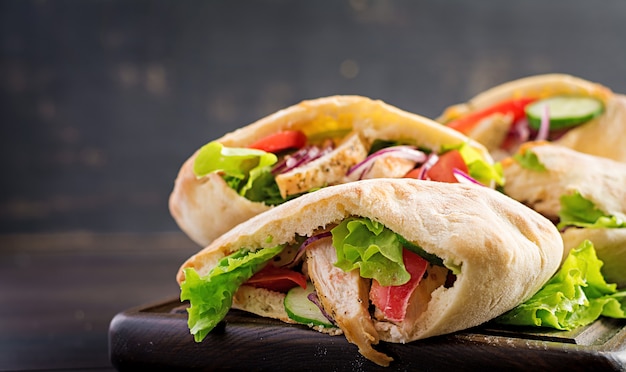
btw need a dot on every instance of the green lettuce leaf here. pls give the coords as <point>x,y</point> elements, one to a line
<point>433,259</point>
<point>372,248</point>
<point>263,187</point>
<point>575,296</point>
<point>479,169</point>
<point>578,211</point>
<point>211,296</point>
<point>241,168</point>
<point>529,160</point>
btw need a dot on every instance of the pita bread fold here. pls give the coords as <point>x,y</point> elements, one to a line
<point>566,172</point>
<point>205,207</point>
<point>503,250</point>
<point>604,135</point>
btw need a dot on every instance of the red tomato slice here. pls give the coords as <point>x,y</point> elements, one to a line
<point>514,106</point>
<point>415,173</point>
<point>277,142</point>
<point>394,300</point>
<point>442,170</point>
<point>277,279</point>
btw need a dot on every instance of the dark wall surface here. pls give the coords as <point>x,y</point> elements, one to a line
<point>102,101</point>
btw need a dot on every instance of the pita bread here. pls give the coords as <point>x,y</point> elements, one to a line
<point>603,136</point>
<point>205,207</point>
<point>505,252</point>
<point>597,179</point>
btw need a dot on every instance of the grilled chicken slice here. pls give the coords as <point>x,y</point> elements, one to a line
<point>345,297</point>
<point>492,131</point>
<point>390,166</point>
<point>324,171</point>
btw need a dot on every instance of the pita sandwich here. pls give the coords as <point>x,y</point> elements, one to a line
<point>579,114</point>
<point>429,257</point>
<point>583,194</point>
<point>308,146</point>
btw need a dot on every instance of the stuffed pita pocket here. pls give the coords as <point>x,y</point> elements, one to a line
<point>430,257</point>
<point>565,109</point>
<point>311,145</point>
<point>583,194</point>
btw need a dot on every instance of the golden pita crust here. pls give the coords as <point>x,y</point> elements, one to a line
<point>603,136</point>
<point>539,86</point>
<point>597,179</point>
<point>206,207</point>
<point>506,251</point>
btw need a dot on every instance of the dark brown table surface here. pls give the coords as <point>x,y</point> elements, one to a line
<point>59,293</point>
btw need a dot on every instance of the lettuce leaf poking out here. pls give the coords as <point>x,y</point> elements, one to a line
<point>575,296</point>
<point>529,160</point>
<point>479,169</point>
<point>578,211</point>
<point>211,296</point>
<point>240,167</point>
<point>372,248</point>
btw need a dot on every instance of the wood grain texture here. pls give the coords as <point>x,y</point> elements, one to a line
<point>156,336</point>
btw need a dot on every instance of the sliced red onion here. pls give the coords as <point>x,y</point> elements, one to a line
<point>518,134</point>
<point>303,246</point>
<point>544,126</point>
<point>403,151</point>
<point>463,177</point>
<point>313,297</point>
<point>366,171</point>
<point>299,158</point>
<point>430,161</point>
<point>522,131</point>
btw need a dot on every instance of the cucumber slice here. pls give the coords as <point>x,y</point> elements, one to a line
<point>302,310</point>
<point>564,111</point>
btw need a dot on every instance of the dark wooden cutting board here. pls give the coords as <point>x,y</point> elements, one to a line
<point>156,336</point>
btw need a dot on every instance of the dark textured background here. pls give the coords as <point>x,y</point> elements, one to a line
<point>101,101</point>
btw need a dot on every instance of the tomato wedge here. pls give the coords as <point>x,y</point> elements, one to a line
<point>514,106</point>
<point>415,173</point>
<point>393,301</point>
<point>442,170</point>
<point>277,279</point>
<point>277,142</point>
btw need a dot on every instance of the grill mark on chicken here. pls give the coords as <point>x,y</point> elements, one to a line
<point>345,296</point>
<point>327,170</point>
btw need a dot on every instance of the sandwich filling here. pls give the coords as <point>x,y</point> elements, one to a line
<point>287,164</point>
<point>359,273</point>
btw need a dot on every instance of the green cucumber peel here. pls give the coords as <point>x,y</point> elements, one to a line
<point>301,309</point>
<point>564,111</point>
